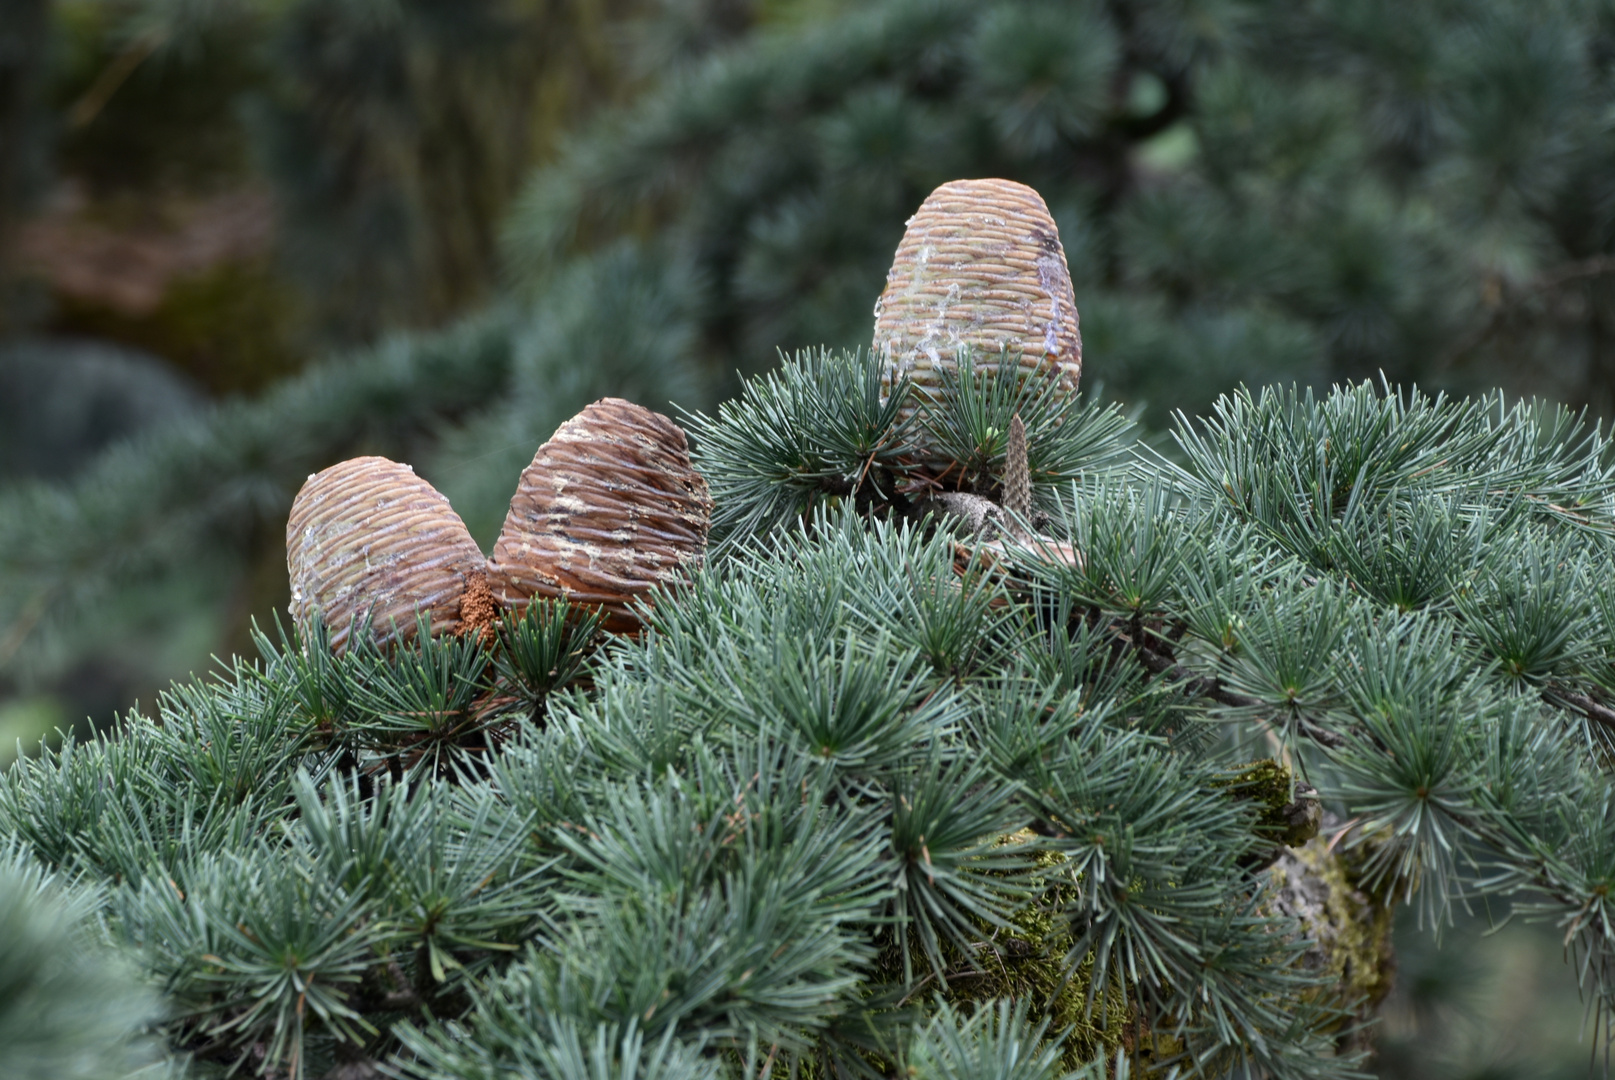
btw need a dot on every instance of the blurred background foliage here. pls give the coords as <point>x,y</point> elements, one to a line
<point>243,239</point>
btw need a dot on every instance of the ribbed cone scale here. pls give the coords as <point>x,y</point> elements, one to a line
<point>368,536</point>
<point>980,265</point>
<point>609,509</point>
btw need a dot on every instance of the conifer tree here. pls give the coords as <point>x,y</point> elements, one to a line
<point>1122,774</point>
<point>945,763</point>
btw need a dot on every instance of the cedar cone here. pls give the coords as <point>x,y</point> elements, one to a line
<point>609,509</point>
<point>979,266</point>
<point>368,536</point>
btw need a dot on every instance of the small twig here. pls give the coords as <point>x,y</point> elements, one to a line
<point>1341,834</point>
<point>768,1064</point>
<point>1582,703</point>
<point>929,976</point>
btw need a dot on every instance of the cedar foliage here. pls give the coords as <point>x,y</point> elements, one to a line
<point>69,1010</point>
<point>852,770</point>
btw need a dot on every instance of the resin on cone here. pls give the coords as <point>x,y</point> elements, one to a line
<point>367,537</point>
<point>609,509</point>
<point>980,267</point>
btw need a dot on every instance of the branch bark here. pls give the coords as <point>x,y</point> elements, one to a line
<point>1584,704</point>
<point>1209,686</point>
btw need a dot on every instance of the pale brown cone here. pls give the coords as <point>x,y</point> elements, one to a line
<point>609,508</point>
<point>368,536</point>
<point>980,265</point>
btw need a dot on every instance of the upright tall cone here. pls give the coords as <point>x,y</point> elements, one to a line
<point>609,508</point>
<point>979,267</point>
<point>367,537</point>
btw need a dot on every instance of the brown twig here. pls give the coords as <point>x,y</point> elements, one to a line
<point>768,1065</point>
<point>1582,703</point>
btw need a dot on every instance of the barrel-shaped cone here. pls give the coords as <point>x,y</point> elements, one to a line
<point>979,269</point>
<point>367,538</point>
<point>609,509</point>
